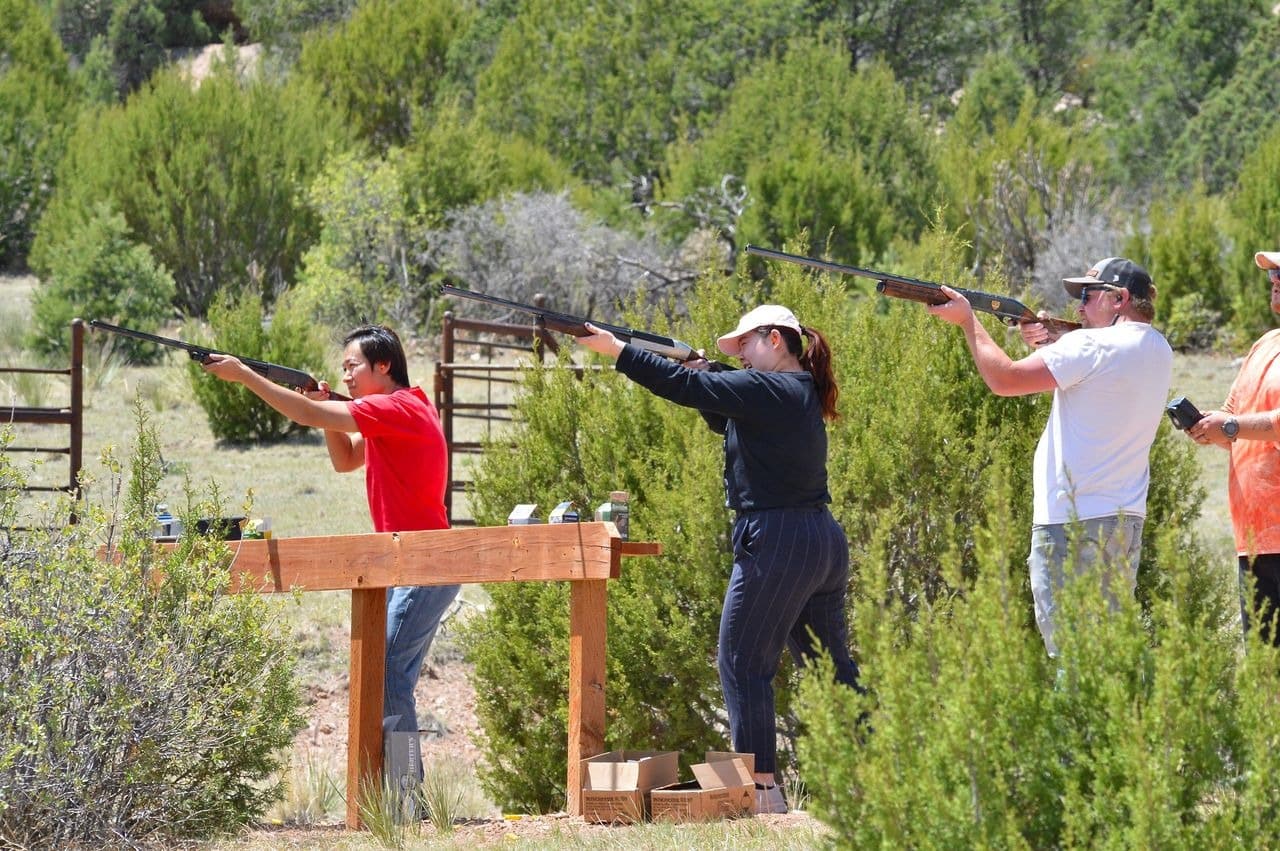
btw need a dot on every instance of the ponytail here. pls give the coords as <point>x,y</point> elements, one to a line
<point>816,360</point>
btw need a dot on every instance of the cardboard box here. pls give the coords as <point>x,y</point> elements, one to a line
<point>616,785</point>
<point>723,787</point>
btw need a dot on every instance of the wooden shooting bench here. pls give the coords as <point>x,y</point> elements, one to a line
<point>587,555</point>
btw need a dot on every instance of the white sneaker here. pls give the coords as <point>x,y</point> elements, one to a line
<point>769,799</point>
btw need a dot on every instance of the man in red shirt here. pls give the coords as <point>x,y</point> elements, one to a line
<point>393,431</point>
<point>1249,427</point>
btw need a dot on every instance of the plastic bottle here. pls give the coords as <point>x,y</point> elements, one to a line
<point>618,510</point>
<point>164,521</point>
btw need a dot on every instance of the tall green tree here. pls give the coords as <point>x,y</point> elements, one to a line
<point>606,87</point>
<point>1254,226</point>
<point>1234,118</point>
<point>1187,52</point>
<point>384,66</point>
<point>210,179</point>
<point>38,105</point>
<point>929,44</point>
<point>842,154</point>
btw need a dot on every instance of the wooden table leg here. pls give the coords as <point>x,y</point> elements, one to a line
<point>364,723</point>
<point>588,607</point>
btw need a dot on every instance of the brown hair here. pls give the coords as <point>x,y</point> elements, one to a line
<point>1144,307</point>
<point>816,359</point>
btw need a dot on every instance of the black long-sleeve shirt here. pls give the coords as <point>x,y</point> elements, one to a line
<point>775,442</point>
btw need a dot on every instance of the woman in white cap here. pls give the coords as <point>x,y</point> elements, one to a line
<point>790,556</point>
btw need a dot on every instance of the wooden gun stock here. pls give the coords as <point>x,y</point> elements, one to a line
<point>1007,310</point>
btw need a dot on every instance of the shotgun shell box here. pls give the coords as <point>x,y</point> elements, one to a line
<point>723,787</point>
<point>565,512</point>
<point>524,514</point>
<point>616,785</point>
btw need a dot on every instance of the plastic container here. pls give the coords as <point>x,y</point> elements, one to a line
<point>617,510</point>
<point>167,526</point>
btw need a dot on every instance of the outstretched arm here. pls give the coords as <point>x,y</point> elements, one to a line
<point>331,416</point>
<point>1003,375</point>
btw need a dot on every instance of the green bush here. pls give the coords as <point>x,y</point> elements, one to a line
<point>1191,325</point>
<point>211,179</point>
<point>1186,250</point>
<point>841,154</point>
<point>38,103</point>
<point>290,339</point>
<point>910,463</point>
<point>1151,731</point>
<point>577,440</point>
<point>133,708</point>
<point>606,87</point>
<point>365,267</point>
<point>102,274</point>
<point>382,67</point>
<point>1254,225</point>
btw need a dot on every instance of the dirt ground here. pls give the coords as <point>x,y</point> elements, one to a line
<point>446,705</point>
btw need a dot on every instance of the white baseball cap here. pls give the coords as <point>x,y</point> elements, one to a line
<point>1267,259</point>
<point>764,316</point>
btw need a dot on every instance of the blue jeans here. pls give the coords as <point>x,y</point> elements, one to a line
<point>413,614</point>
<point>1115,541</point>
<point>790,574</point>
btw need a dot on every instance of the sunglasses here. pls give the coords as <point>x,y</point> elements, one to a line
<point>1084,291</point>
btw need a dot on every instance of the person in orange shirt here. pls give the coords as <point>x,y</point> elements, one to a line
<point>1249,427</point>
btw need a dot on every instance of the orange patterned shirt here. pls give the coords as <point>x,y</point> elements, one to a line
<point>1253,484</point>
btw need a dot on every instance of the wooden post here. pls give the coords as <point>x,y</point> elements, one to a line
<point>588,607</point>
<point>364,722</point>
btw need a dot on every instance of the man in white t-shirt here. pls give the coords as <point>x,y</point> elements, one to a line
<point>1110,380</point>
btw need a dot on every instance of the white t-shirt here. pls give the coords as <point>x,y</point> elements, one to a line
<point>1092,460</point>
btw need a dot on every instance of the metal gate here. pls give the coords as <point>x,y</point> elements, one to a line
<point>472,390</point>
<point>71,416</point>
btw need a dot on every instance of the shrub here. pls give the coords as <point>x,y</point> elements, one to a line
<point>1254,225</point>
<point>133,708</point>
<point>291,339</point>
<point>38,103</point>
<point>839,153</point>
<point>102,274</point>
<point>210,179</point>
<point>1146,733</point>
<point>1192,325</point>
<point>577,440</point>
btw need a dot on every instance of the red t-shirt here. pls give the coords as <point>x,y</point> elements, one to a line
<point>406,461</point>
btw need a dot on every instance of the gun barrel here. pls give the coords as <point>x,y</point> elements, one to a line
<point>577,326</point>
<point>280,374</point>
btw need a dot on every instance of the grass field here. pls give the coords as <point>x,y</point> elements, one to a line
<point>292,483</point>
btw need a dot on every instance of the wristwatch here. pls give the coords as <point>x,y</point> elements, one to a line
<point>1231,428</point>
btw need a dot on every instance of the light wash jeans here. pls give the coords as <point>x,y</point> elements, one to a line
<point>413,614</point>
<point>1116,539</point>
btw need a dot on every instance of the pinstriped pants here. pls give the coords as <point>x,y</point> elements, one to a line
<point>790,572</point>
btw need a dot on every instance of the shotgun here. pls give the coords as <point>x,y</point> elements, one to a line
<point>273,372</point>
<point>1008,310</point>
<point>576,326</point>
